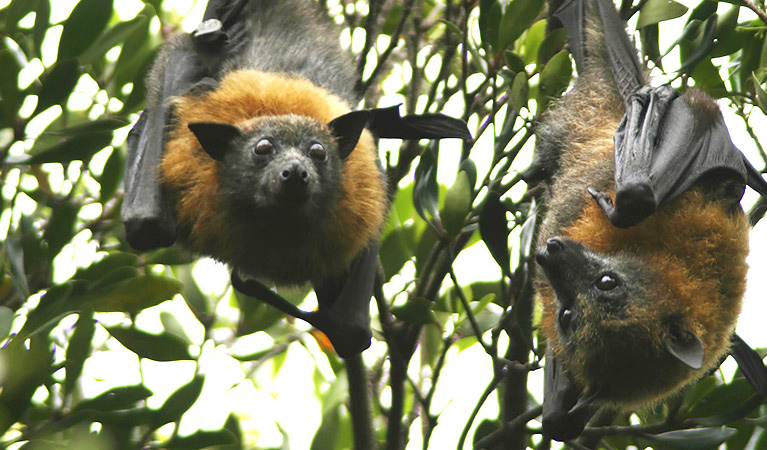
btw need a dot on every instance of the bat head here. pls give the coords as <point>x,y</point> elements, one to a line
<point>281,165</point>
<point>615,336</point>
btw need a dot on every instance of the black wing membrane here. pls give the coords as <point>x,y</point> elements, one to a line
<point>387,123</point>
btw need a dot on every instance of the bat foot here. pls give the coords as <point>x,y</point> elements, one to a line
<point>210,32</point>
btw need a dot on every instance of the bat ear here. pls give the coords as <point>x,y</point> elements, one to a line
<point>347,129</point>
<point>215,138</point>
<point>685,346</point>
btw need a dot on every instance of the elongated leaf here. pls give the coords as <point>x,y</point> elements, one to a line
<point>53,306</point>
<point>16,259</point>
<point>416,311</point>
<point>10,98</point>
<point>31,368</point>
<point>701,45</point>
<point>58,83</point>
<point>6,321</point>
<point>42,23</point>
<point>61,227</point>
<point>111,176</point>
<point>78,349</point>
<point>396,249</point>
<point>157,347</point>
<point>112,37</point>
<point>695,439</point>
<point>180,401</point>
<point>134,294</point>
<point>16,11</point>
<point>517,18</point>
<point>555,77</point>
<point>426,190</point>
<point>76,148</point>
<point>122,397</point>
<point>494,230</point>
<point>84,26</point>
<point>489,19</point>
<point>457,204</point>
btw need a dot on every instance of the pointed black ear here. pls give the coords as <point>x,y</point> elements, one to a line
<point>347,130</point>
<point>215,138</point>
<point>685,346</point>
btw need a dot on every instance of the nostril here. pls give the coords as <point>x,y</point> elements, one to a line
<point>554,245</point>
<point>304,175</point>
<point>285,174</point>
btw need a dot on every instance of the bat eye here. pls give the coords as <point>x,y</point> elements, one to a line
<point>318,151</point>
<point>606,282</point>
<point>264,147</point>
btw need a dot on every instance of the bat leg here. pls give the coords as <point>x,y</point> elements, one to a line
<point>566,408</point>
<point>344,305</point>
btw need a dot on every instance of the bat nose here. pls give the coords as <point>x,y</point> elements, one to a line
<point>295,173</point>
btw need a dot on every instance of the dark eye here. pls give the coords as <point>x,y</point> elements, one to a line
<point>318,151</point>
<point>264,147</point>
<point>606,282</point>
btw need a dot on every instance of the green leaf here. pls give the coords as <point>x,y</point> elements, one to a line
<point>761,95</point>
<point>112,37</point>
<point>134,294</point>
<point>555,77</point>
<point>520,91</point>
<point>694,439</point>
<point>118,398</point>
<point>157,347</point>
<point>78,350</point>
<point>111,176</point>
<point>467,166</point>
<point>727,40</point>
<point>6,321</point>
<point>16,11</point>
<point>514,62</point>
<point>10,97</point>
<point>552,44</point>
<point>517,18</point>
<point>173,326</point>
<point>331,431</point>
<point>722,398</point>
<point>489,20</point>
<point>494,230</point>
<point>416,311</point>
<point>53,306</point>
<point>57,84</point>
<point>426,190</point>
<point>654,11</point>
<point>486,427</point>
<point>533,39</point>
<point>94,126</point>
<point>691,52</point>
<point>180,401</point>
<point>15,255</point>
<point>31,368</point>
<point>76,148</point>
<point>42,23</point>
<point>84,26</point>
<point>61,227</point>
<point>255,314</point>
<point>196,301</point>
<point>457,205</point>
<point>201,439</point>
<point>396,249</point>
<point>105,265</point>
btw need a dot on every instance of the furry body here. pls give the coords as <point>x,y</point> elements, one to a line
<point>683,268</point>
<point>282,61</point>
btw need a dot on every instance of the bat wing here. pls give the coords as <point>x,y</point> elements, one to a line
<point>566,408</point>
<point>387,123</point>
<point>664,145</point>
<point>624,64</point>
<point>147,210</point>
<point>344,305</point>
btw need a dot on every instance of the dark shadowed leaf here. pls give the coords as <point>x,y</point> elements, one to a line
<point>695,439</point>
<point>157,347</point>
<point>693,52</point>
<point>552,44</point>
<point>726,40</point>
<point>112,37</point>
<point>555,77</point>
<point>495,230</point>
<point>201,439</point>
<point>426,190</point>
<point>122,397</point>
<point>61,227</point>
<point>722,398</point>
<point>489,20</point>
<point>111,176</point>
<point>76,148</point>
<point>396,249</point>
<point>180,401</point>
<point>84,26</point>
<point>42,22</point>
<point>78,349</point>
<point>333,429</point>
<point>197,301</point>
<point>15,255</point>
<point>31,368</point>
<point>6,321</point>
<point>486,427</point>
<point>53,306</point>
<point>416,311</point>
<point>58,83</point>
<point>10,98</point>
<point>16,11</point>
